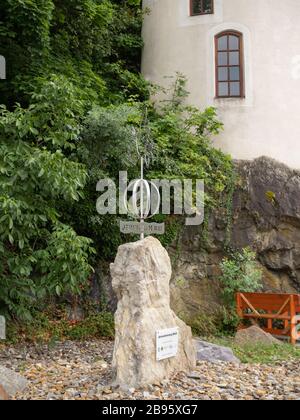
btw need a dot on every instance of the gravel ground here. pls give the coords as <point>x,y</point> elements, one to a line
<point>81,370</point>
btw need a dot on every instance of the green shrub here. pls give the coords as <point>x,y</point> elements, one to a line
<point>203,325</point>
<point>222,323</point>
<point>98,325</point>
<point>228,321</point>
<point>240,273</point>
<point>48,328</point>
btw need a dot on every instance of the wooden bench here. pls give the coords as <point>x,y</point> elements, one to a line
<point>271,307</point>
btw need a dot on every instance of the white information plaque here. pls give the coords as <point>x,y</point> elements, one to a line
<point>166,343</point>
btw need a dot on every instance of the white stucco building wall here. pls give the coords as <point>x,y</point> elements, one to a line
<point>267,120</point>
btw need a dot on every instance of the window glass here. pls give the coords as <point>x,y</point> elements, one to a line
<point>229,65</point>
<point>201,7</point>
<point>222,59</point>
<point>234,58</point>
<point>233,42</point>
<point>223,73</point>
<point>222,43</point>
<point>234,73</point>
<point>223,89</point>
<point>235,89</point>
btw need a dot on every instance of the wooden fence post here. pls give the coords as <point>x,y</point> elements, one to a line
<point>293,321</point>
<point>3,394</point>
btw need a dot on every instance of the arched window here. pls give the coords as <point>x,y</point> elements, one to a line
<point>229,65</point>
<point>201,7</point>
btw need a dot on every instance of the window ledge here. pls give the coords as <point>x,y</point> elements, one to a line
<point>229,98</point>
<point>230,102</point>
<point>202,14</point>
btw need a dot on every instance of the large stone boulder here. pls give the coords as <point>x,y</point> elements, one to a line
<point>213,353</point>
<point>140,278</point>
<point>10,383</point>
<point>254,335</point>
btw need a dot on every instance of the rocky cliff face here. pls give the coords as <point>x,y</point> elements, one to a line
<point>266,217</point>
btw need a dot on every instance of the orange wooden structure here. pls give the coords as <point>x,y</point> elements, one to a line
<point>3,394</point>
<point>272,308</point>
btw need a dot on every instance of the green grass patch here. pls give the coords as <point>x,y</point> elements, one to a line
<point>266,354</point>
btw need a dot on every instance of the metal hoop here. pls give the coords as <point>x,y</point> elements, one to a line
<point>141,183</point>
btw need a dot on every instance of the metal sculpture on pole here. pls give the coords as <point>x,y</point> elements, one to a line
<point>145,200</point>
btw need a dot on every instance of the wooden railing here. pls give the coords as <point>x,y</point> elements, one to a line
<point>271,308</point>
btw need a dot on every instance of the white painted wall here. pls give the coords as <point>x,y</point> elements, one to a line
<point>267,121</point>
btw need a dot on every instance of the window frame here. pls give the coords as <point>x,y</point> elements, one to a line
<point>201,14</point>
<point>239,35</point>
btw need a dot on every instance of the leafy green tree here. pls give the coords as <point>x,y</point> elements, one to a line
<point>95,43</point>
<point>63,57</point>
<point>39,254</point>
